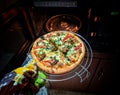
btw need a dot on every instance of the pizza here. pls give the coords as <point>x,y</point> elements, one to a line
<point>58,52</point>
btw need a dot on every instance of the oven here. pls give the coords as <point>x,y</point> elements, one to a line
<point>99,24</point>
<point>99,27</point>
<point>16,34</point>
<point>24,22</point>
<point>43,10</point>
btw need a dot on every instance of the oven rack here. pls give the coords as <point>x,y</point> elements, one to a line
<point>81,71</point>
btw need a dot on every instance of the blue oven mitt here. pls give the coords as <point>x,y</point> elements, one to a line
<point>26,79</point>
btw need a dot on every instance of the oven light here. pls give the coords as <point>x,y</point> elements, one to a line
<point>96,18</point>
<point>89,13</point>
<point>92,34</point>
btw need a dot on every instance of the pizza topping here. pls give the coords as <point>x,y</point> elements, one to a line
<point>41,56</point>
<point>52,62</point>
<point>70,52</point>
<point>60,64</point>
<point>66,37</point>
<point>64,49</point>
<point>47,63</point>
<point>67,61</point>
<point>58,34</point>
<point>49,35</point>
<point>44,45</point>
<point>54,48</point>
<point>56,41</point>
<point>38,43</point>
<point>72,41</point>
<point>74,57</point>
<point>78,46</point>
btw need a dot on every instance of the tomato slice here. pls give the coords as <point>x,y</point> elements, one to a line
<point>61,57</point>
<point>47,62</point>
<point>66,37</point>
<point>77,47</point>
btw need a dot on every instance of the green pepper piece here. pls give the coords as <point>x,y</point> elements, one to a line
<point>41,75</point>
<point>40,80</point>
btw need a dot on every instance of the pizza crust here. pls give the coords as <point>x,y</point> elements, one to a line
<point>64,68</point>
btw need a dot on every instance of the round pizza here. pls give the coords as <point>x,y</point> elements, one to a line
<point>58,52</point>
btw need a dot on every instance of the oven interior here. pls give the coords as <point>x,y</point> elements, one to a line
<point>100,27</point>
<point>99,24</point>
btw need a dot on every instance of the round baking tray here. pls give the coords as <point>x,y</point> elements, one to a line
<point>64,22</point>
<point>80,71</point>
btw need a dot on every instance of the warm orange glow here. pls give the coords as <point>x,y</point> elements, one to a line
<point>93,34</point>
<point>96,18</point>
<point>89,13</point>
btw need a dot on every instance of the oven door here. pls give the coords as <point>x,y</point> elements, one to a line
<point>15,38</point>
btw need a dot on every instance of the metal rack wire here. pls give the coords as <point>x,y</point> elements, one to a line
<point>81,71</point>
